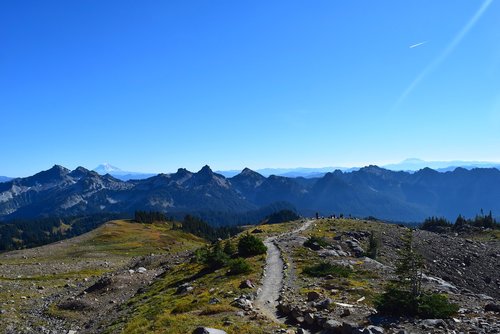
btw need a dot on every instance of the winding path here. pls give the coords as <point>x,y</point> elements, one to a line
<point>267,299</point>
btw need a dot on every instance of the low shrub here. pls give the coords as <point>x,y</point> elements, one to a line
<point>314,242</point>
<point>324,269</point>
<point>250,245</point>
<point>216,309</point>
<point>436,306</point>
<point>397,302</point>
<point>239,266</point>
<point>184,307</point>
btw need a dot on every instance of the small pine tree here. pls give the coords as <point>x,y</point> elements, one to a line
<point>409,267</point>
<point>373,245</point>
<point>229,248</point>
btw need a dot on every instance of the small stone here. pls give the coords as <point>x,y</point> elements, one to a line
<point>207,330</point>
<point>332,324</point>
<point>346,312</point>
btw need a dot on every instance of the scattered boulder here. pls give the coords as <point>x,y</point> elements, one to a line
<point>247,284</point>
<point>309,318</point>
<point>323,304</point>
<point>313,296</point>
<point>213,300</point>
<point>243,303</point>
<point>375,330</point>
<point>491,307</point>
<point>207,330</point>
<point>328,253</point>
<point>100,285</point>
<point>184,288</point>
<point>349,327</point>
<point>345,312</point>
<point>333,325</point>
<point>432,323</point>
<point>141,270</point>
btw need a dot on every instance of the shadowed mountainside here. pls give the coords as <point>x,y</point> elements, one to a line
<point>372,190</point>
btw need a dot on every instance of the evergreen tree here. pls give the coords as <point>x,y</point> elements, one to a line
<point>409,267</point>
<point>373,244</point>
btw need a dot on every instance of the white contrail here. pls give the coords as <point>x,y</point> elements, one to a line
<point>453,44</point>
<point>418,44</point>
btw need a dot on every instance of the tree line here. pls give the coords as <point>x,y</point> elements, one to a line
<point>441,224</point>
<point>27,233</point>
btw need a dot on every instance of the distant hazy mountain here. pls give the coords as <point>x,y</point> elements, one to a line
<point>106,168</point>
<point>368,191</point>
<point>417,164</point>
<point>411,165</point>
<point>5,178</point>
<point>292,172</point>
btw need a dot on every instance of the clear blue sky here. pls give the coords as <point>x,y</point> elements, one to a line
<point>157,85</point>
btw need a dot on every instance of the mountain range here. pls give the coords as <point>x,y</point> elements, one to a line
<point>369,191</point>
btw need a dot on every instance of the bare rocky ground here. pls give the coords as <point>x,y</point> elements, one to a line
<point>464,269</point>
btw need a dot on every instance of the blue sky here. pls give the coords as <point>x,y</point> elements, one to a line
<point>157,85</point>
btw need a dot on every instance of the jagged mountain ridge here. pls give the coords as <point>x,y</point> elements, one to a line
<point>371,190</point>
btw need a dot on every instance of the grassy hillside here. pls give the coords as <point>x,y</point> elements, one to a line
<point>27,276</point>
<point>161,309</point>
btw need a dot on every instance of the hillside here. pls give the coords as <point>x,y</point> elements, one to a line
<point>369,191</point>
<point>34,281</point>
<point>138,278</point>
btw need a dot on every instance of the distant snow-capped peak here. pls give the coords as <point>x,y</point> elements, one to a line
<point>106,168</point>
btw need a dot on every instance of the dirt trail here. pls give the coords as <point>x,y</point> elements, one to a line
<point>267,299</point>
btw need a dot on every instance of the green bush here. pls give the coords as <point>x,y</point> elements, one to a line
<point>398,302</point>
<point>324,268</point>
<point>250,245</point>
<point>229,248</point>
<point>239,266</point>
<point>314,241</point>
<point>213,258</point>
<point>436,306</point>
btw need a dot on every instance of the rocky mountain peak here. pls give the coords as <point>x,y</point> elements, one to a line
<point>182,171</point>
<point>79,172</point>
<point>206,170</point>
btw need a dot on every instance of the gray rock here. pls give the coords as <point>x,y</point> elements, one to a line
<point>284,308</point>
<point>213,300</point>
<point>491,307</point>
<point>332,324</point>
<point>375,329</point>
<point>309,318</point>
<point>323,304</point>
<point>346,312</point>
<point>184,288</point>
<point>243,303</point>
<point>207,330</point>
<point>247,284</point>
<point>432,323</point>
<point>328,253</point>
<point>312,296</point>
<point>349,328</point>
